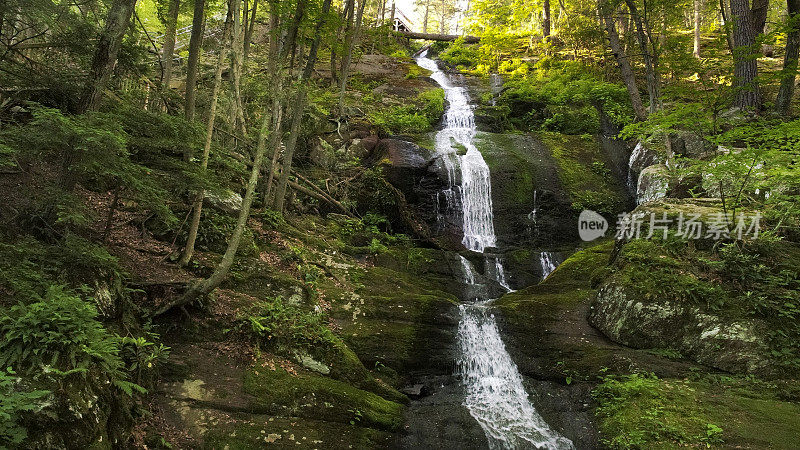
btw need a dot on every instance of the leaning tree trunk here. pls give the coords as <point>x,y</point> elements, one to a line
<point>299,104</point>
<point>197,208</point>
<point>105,55</point>
<point>205,287</point>
<point>651,73</point>
<point>195,42</point>
<point>168,49</point>
<point>625,69</point>
<point>698,6</point>
<point>789,73</point>
<point>745,62</point>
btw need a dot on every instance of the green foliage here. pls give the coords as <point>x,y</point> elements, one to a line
<point>461,55</point>
<point>563,96</point>
<point>13,403</point>
<point>417,117</point>
<point>286,325</point>
<point>142,359</point>
<point>59,335</point>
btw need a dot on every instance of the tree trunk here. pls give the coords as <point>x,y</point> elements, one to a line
<point>789,72</point>
<point>651,74</point>
<point>248,34</point>
<point>299,104</point>
<point>205,287</point>
<point>348,17</point>
<point>425,21</point>
<point>167,53</point>
<point>195,42</point>
<point>443,17</point>
<point>237,48</point>
<point>197,208</point>
<point>698,6</point>
<point>745,64</point>
<point>105,55</point>
<point>546,19</point>
<point>759,12</point>
<point>351,43</point>
<point>725,10</point>
<point>624,64</point>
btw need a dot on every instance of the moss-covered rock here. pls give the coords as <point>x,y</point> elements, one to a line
<point>276,391</point>
<point>641,411</point>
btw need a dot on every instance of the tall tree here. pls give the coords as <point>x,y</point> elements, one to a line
<point>546,18</point>
<point>167,53</point>
<point>298,106</point>
<point>352,38</point>
<point>624,64</point>
<point>789,72</point>
<point>698,7</point>
<point>647,45</point>
<point>237,48</point>
<point>249,28</point>
<point>427,13</point>
<point>197,208</point>
<point>195,44</point>
<point>745,63</point>
<point>105,55</point>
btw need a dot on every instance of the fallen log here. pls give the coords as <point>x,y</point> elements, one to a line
<point>438,37</point>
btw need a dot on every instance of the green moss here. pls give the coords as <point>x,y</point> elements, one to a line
<point>311,396</point>
<point>516,164</point>
<point>415,71</point>
<point>639,411</point>
<point>576,157</point>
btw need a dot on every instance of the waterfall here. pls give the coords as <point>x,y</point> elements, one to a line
<point>549,263</point>
<point>468,173</point>
<point>495,396</point>
<point>495,269</point>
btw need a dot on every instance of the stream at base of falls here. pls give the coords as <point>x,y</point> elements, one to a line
<point>493,388</point>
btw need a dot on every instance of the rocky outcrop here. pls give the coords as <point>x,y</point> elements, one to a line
<point>227,202</point>
<point>653,184</point>
<point>731,345</point>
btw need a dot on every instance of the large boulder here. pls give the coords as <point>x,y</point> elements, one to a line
<point>653,184</point>
<point>711,339</point>
<point>689,144</point>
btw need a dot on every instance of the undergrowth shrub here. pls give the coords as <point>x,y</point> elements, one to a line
<point>58,335</point>
<point>417,117</point>
<point>13,404</point>
<point>283,324</point>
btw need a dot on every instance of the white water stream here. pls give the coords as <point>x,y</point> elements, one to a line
<point>495,395</point>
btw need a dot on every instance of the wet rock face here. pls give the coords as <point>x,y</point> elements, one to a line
<point>732,345</point>
<point>653,184</point>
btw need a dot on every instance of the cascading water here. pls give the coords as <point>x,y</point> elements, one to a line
<point>467,173</point>
<point>495,396</point>
<point>549,263</point>
<point>494,268</point>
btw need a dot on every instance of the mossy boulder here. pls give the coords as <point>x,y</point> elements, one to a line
<point>277,391</point>
<point>712,339</point>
